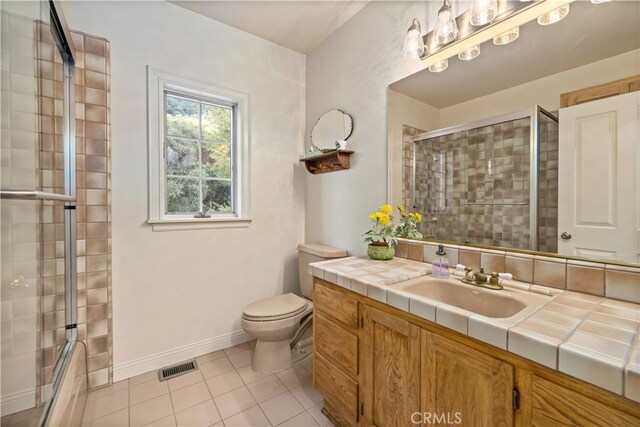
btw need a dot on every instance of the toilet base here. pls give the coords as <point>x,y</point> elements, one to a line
<point>271,356</point>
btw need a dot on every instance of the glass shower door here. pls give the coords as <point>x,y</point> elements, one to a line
<point>20,274</point>
<point>37,221</point>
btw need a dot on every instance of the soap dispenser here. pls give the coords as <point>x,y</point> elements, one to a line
<point>440,264</point>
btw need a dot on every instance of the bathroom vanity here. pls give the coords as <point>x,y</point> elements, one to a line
<point>376,364</point>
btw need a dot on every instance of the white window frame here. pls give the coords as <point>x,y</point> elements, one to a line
<point>160,82</point>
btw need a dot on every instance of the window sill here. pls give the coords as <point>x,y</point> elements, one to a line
<point>180,224</point>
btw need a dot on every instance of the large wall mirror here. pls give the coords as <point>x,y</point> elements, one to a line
<point>507,149</point>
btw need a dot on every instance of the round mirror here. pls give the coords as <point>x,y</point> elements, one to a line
<point>332,126</point>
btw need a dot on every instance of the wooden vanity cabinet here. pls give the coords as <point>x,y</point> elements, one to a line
<point>379,366</point>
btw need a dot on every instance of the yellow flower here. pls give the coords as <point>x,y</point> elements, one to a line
<point>418,217</point>
<point>386,209</point>
<point>379,215</point>
<point>412,215</point>
<point>372,217</point>
<point>384,219</point>
<point>401,208</point>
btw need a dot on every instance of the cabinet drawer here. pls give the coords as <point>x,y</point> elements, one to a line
<point>336,344</point>
<point>335,304</point>
<point>338,390</point>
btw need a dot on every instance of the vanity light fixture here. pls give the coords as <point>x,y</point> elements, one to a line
<point>413,43</point>
<point>483,12</point>
<point>556,15</point>
<point>446,29</point>
<point>507,37</point>
<point>469,54</point>
<point>600,1</point>
<point>439,66</point>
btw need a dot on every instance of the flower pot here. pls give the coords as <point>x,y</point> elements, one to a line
<point>381,251</point>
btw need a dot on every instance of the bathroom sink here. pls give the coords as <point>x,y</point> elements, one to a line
<point>502,304</point>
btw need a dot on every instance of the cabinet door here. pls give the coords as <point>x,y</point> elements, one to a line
<point>463,386</point>
<point>390,355</point>
<point>555,405</point>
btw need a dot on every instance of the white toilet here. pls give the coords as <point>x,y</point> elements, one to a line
<point>282,324</point>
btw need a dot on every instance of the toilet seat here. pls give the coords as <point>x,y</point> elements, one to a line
<point>275,308</point>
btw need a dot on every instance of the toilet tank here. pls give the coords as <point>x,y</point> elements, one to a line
<point>309,253</point>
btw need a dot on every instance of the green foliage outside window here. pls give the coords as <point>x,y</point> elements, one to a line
<point>198,155</point>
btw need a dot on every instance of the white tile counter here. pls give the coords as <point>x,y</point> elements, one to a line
<point>595,339</point>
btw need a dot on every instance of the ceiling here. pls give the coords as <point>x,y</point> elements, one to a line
<point>298,25</point>
<point>588,34</point>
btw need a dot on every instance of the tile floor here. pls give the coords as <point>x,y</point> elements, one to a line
<point>225,391</point>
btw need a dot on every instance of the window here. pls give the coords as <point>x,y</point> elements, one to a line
<point>198,154</point>
<point>199,147</point>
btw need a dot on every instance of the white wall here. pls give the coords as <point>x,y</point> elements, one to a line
<point>351,70</point>
<point>404,110</point>
<point>544,92</point>
<point>174,293</point>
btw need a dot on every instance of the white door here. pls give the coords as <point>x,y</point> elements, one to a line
<point>599,181</point>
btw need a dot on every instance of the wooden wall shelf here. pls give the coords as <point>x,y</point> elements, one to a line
<point>328,162</point>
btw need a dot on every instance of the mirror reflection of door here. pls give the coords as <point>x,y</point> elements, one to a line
<point>598,214</point>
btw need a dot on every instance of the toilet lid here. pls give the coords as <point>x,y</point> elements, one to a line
<point>278,307</point>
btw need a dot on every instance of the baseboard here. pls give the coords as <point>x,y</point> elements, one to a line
<point>160,360</point>
<point>16,402</point>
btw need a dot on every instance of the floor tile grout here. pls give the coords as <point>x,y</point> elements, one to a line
<point>295,378</point>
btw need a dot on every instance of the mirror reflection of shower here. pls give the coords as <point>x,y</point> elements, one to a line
<point>474,184</point>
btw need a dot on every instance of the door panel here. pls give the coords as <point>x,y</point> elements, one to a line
<point>464,386</point>
<point>391,365</point>
<point>598,179</point>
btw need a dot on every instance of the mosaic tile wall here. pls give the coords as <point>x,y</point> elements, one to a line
<point>473,186</point>
<point>93,208</point>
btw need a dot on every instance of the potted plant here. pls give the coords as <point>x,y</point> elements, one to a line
<point>408,227</point>
<point>381,237</point>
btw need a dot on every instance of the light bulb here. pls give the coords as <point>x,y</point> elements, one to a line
<point>446,29</point>
<point>483,12</point>
<point>507,37</point>
<point>469,54</point>
<point>554,16</point>
<point>599,1</point>
<point>413,42</point>
<point>439,66</point>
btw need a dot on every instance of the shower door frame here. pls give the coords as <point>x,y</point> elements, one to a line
<point>533,114</point>
<point>64,42</point>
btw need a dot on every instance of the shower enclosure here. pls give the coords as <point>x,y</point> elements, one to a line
<point>38,218</point>
<point>475,183</point>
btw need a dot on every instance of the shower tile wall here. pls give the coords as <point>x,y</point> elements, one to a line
<point>473,186</point>
<point>548,186</point>
<point>93,193</point>
<point>408,133</point>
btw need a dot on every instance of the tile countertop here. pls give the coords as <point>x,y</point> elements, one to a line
<point>592,338</point>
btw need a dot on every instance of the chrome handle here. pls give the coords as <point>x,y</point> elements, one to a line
<point>566,236</point>
<point>34,195</point>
